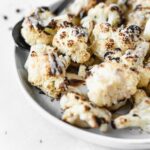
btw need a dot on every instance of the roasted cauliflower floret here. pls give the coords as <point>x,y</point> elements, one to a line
<point>80,112</point>
<point>46,69</point>
<point>138,116</point>
<point>102,13</point>
<point>41,25</point>
<point>134,60</point>
<point>114,77</point>
<point>72,41</point>
<point>33,30</point>
<point>140,15</point>
<point>78,6</point>
<point>105,38</point>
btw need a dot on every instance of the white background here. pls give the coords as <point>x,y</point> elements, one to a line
<point>21,126</point>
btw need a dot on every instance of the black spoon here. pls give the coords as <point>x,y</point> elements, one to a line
<point>18,39</point>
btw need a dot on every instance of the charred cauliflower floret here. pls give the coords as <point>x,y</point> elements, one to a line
<point>105,38</point>
<point>138,116</point>
<point>46,70</point>
<point>80,112</point>
<point>78,6</point>
<point>140,15</point>
<point>133,59</point>
<point>72,41</point>
<point>33,30</point>
<point>102,13</point>
<point>114,77</point>
<point>41,25</point>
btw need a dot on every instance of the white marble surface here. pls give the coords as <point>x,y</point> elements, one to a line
<point>22,127</point>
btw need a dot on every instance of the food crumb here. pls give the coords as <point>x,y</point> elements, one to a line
<point>41,141</point>
<point>5,133</point>
<point>18,10</point>
<point>5,17</point>
<point>10,28</point>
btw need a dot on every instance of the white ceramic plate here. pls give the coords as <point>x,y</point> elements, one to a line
<point>121,139</point>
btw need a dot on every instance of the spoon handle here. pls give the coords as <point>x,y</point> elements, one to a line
<point>61,6</point>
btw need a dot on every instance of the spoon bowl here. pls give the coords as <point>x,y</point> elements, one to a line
<point>19,40</point>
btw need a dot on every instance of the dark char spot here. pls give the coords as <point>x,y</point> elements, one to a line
<point>113,124</point>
